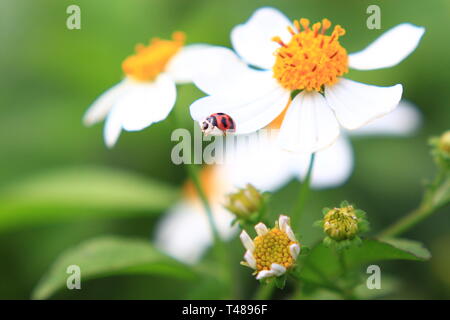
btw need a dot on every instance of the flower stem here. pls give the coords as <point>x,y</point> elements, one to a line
<point>436,197</point>
<point>297,210</point>
<point>193,174</point>
<point>408,221</point>
<point>265,291</point>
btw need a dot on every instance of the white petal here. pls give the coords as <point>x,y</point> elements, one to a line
<point>186,63</point>
<point>290,233</point>
<point>261,229</point>
<point>247,241</point>
<point>253,39</point>
<point>332,166</point>
<point>103,104</point>
<point>224,73</point>
<point>146,103</point>
<point>283,222</point>
<point>309,124</point>
<point>265,274</point>
<point>389,49</point>
<point>294,250</point>
<point>250,259</point>
<point>249,113</point>
<point>249,155</point>
<point>183,233</point>
<point>404,120</point>
<point>277,269</point>
<point>113,127</point>
<point>356,104</point>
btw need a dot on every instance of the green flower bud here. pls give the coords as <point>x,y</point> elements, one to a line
<point>343,225</point>
<point>244,202</point>
<point>444,142</point>
<point>441,150</point>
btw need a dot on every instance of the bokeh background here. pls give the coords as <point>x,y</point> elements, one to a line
<point>50,75</point>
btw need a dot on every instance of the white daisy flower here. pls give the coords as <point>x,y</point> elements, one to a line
<point>147,94</point>
<point>298,56</point>
<point>273,251</point>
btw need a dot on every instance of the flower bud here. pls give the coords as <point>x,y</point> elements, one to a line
<point>244,202</point>
<point>441,150</point>
<point>444,142</point>
<point>341,223</point>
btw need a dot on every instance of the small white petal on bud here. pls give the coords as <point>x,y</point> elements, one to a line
<point>264,274</point>
<point>261,229</point>
<point>277,269</point>
<point>247,241</point>
<point>294,250</point>
<point>290,233</point>
<point>250,259</point>
<point>283,221</point>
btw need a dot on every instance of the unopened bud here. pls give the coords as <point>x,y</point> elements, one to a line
<point>444,142</point>
<point>341,223</point>
<point>244,202</point>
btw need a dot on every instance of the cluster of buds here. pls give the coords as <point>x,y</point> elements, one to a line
<point>245,204</point>
<point>343,225</point>
<point>441,150</point>
<point>273,251</point>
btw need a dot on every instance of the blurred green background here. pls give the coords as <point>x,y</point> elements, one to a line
<point>50,75</point>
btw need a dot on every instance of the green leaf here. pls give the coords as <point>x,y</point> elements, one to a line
<point>106,256</point>
<point>73,193</point>
<point>280,282</point>
<point>322,265</point>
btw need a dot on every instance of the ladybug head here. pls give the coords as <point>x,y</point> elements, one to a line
<point>207,126</point>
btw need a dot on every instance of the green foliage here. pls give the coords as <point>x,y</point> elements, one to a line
<point>109,256</point>
<point>76,192</point>
<point>322,265</point>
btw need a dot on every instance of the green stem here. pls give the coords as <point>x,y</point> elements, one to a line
<point>265,291</point>
<point>342,262</point>
<point>193,174</point>
<point>297,210</point>
<point>428,206</point>
<point>408,221</point>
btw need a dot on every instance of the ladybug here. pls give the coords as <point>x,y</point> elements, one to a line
<point>218,123</point>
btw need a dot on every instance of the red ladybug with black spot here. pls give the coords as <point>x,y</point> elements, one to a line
<point>218,124</point>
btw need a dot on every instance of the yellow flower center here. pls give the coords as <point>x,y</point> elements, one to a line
<point>149,61</point>
<point>273,247</point>
<point>311,59</point>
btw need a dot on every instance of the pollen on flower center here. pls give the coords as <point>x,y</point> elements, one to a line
<point>149,61</point>
<point>273,247</point>
<point>311,59</point>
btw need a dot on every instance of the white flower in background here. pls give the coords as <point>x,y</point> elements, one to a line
<point>273,251</point>
<point>184,231</point>
<point>292,57</point>
<point>147,94</point>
